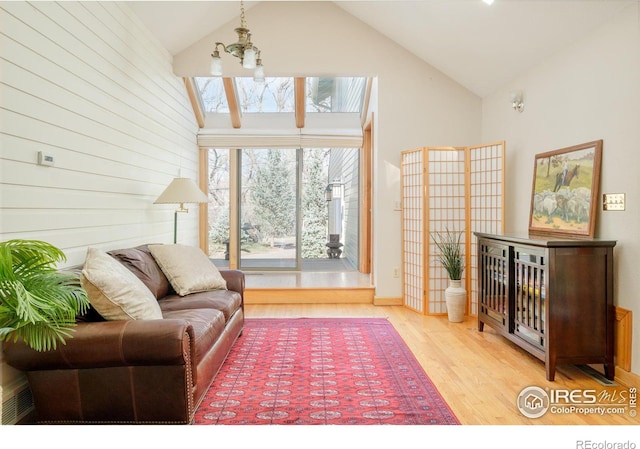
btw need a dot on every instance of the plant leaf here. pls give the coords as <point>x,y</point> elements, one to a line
<point>450,251</point>
<point>38,303</point>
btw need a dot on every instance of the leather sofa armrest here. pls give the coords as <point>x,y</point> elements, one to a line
<point>235,280</point>
<point>111,343</point>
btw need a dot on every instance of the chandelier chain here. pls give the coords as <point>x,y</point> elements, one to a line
<point>243,22</point>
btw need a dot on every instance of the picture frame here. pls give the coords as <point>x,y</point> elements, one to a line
<point>564,198</point>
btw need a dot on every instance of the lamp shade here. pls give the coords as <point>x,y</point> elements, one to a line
<point>182,190</point>
<point>328,193</point>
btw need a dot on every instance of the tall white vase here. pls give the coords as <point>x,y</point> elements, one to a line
<point>456,299</point>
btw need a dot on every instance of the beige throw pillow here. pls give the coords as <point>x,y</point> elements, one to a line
<point>114,291</point>
<point>188,268</point>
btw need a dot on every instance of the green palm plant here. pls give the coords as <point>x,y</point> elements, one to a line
<point>38,303</point>
<point>450,252</point>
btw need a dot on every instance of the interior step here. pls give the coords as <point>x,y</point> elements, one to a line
<point>311,295</point>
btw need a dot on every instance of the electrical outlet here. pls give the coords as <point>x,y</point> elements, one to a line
<point>396,272</point>
<point>613,201</point>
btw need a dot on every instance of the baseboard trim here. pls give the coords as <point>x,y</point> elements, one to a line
<point>626,378</point>
<point>623,338</point>
<point>387,301</point>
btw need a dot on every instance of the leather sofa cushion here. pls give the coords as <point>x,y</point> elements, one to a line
<point>114,291</point>
<point>226,301</point>
<point>188,268</point>
<point>208,325</point>
<point>141,263</point>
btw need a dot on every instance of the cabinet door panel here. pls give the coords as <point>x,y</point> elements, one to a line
<point>494,282</point>
<point>530,295</point>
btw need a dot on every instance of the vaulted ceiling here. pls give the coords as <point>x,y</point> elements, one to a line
<point>500,41</point>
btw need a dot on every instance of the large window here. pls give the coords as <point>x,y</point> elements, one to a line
<point>289,204</point>
<point>293,142</point>
<point>268,209</point>
<point>344,94</point>
<point>277,94</point>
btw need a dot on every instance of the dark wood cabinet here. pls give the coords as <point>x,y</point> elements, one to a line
<point>553,297</point>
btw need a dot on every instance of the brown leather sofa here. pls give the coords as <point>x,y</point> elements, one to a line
<point>137,372</point>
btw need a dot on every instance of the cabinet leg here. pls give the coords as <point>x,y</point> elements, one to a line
<point>480,326</point>
<point>609,371</point>
<point>551,371</point>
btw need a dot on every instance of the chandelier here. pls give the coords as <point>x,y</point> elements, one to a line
<point>244,49</point>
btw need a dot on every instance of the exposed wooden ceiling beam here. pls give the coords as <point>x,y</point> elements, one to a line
<point>194,98</point>
<point>367,98</point>
<point>232,100</point>
<point>300,101</point>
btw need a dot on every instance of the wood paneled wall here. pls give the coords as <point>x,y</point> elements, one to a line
<point>85,82</point>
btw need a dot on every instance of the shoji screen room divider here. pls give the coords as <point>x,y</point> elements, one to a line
<point>460,189</point>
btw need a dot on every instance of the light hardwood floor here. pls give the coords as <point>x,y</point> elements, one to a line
<point>479,374</point>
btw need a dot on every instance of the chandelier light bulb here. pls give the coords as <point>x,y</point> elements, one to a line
<point>258,74</point>
<point>249,59</point>
<point>216,64</point>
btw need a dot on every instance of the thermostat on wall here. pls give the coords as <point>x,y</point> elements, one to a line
<point>45,159</point>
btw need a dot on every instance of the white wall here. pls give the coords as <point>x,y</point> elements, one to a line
<point>587,92</point>
<point>416,104</point>
<point>86,83</point>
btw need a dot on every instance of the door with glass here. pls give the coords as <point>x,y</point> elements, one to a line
<point>268,209</point>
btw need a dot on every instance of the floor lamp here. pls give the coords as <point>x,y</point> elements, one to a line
<point>180,191</point>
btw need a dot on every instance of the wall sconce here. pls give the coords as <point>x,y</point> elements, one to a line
<point>334,190</point>
<point>328,193</point>
<point>516,101</point>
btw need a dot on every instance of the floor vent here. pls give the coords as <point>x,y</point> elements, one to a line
<point>17,402</point>
<point>597,376</point>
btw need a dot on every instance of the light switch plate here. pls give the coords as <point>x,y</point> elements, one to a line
<point>613,201</point>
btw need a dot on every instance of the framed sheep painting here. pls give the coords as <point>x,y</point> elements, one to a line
<point>565,191</point>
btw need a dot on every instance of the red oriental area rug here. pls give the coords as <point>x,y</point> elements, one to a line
<point>306,371</point>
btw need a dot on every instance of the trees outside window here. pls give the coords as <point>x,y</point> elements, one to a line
<point>273,198</point>
<point>314,205</point>
<point>269,198</point>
